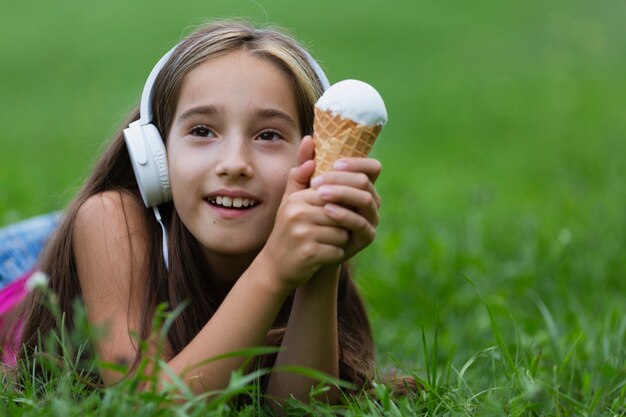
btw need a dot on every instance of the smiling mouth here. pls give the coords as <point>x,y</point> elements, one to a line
<point>232,202</point>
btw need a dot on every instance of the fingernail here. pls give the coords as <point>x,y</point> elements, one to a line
<point>325,191</point>
<point>317,181</point>
<point>331,208</point>
<point>340,165</point>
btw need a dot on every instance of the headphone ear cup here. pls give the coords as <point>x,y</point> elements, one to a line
<point>159,156</point>
<point>148,159</point>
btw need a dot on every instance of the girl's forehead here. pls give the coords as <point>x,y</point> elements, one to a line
<point>238,79</point>
<point>235,62</point>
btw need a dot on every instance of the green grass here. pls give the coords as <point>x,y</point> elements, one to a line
<point>498,276</point>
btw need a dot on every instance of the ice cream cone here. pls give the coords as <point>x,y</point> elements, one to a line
<point>337,137</point>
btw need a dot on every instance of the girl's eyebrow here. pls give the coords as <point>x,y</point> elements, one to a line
<point>207,110</point>
<point>276,114</point>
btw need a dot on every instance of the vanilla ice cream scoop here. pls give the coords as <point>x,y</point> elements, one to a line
<point>355,100</point>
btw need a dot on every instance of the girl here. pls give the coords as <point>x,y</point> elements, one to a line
<point>252,243</point>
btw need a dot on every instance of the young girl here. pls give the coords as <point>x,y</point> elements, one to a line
<point>253,245</point>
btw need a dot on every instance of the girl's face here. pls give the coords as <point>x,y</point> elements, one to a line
<point>234,137</point>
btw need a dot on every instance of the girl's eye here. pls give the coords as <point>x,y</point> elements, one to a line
<point>269,135</point>
<point>202,131</point>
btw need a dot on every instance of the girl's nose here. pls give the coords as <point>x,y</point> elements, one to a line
<point>234,159</point>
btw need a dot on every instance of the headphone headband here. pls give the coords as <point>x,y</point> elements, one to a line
<point>145,108</point>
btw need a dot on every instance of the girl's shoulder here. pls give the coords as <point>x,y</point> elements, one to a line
<point>113,208</point>
<point>111,219</point>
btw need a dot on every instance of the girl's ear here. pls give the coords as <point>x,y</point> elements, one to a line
<point>306,151</point>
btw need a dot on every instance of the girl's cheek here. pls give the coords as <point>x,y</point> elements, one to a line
<point>186,163</point>
<point>281,179</point>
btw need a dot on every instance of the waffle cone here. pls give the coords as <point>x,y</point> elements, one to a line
<point>337,137</point>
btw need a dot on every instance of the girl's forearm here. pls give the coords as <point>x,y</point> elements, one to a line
<point>311,338</point>
<point>242,321</point>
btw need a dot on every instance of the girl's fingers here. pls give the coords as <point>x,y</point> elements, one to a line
<point>369,166</point>
<point>358,180</point>
<point>307,206</point>
<point>334,236</point>
<point>362,232</point>
<point>306,151</point>
<point>310,215</point>
<point>328,254</point>
<point>363,202</point>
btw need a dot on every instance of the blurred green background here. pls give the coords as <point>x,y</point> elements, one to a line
<point>503,155</point>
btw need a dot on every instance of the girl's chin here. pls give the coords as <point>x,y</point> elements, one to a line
<point>231,237</point>
<point>232,247</point>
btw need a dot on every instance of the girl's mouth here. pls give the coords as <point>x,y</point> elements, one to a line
<point>230,208</point>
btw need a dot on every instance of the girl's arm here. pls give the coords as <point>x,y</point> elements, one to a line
<point>311,339</point>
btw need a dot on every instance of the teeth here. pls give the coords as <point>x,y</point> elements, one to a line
<point>236,202</point>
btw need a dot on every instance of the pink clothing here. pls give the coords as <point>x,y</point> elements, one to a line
<point>12,294</point>
<point>10,297</point>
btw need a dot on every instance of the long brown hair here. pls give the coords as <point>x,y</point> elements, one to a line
<point>186,280</point>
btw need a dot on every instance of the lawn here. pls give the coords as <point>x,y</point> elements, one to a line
<point>498,276</point>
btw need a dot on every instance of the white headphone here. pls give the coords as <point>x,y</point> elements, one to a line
<point>147,149</point>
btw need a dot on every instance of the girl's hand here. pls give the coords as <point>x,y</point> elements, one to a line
<point>304,237</point>
<point>351,200</point>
